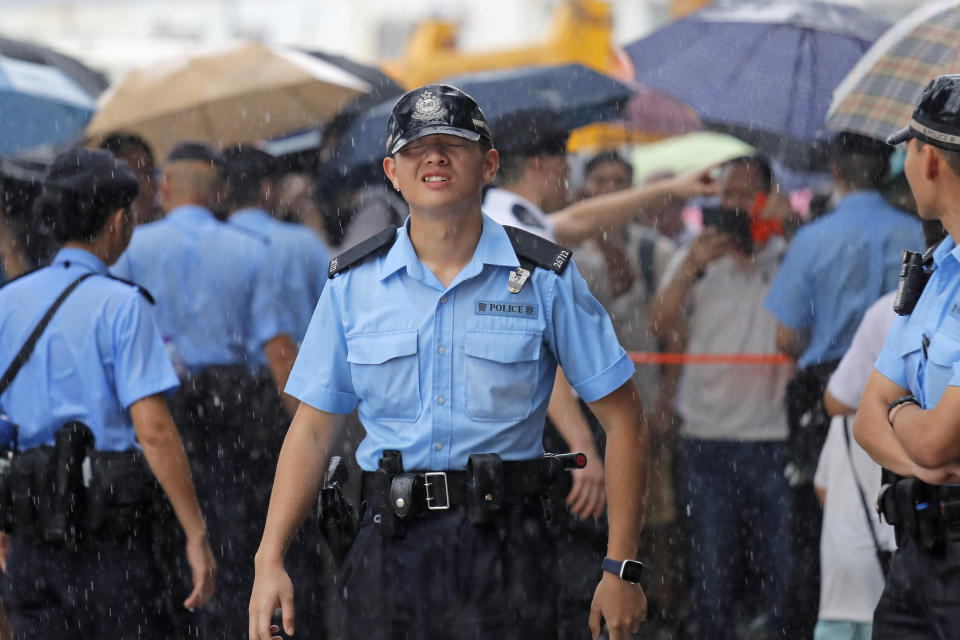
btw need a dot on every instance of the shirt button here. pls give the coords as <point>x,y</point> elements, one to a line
<point>443,300</point>
<point>441,349</point>
<point>441,399</point>
<point>439,446</point>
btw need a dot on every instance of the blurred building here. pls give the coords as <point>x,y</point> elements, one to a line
<point>117,35</point>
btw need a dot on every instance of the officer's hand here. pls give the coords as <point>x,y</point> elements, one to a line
<point>622,605</point>
<point>587,497</point>
<point>272,588</point>
<point>4,551</point>
<point>699,183</point>
<point>204,570</point>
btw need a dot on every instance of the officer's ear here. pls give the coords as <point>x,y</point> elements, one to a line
<point>390,168</point>
<point>930,160</point>
<point>491,163</point>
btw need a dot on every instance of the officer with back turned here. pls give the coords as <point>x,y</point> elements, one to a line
<point>446,334</point>
<point>215,297</point>
<point>909,416</point>
<point>84,373</point>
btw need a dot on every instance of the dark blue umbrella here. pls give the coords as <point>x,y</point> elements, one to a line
<point>762,71</point>
<point>576,95</point>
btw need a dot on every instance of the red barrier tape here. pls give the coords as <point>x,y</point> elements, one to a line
<point>649,357</point>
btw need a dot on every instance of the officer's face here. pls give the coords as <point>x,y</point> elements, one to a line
<point>441,170</point>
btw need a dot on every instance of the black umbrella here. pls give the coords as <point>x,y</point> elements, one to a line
<point>93,82</point>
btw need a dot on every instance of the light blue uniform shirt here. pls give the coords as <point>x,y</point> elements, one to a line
<point>443,372</point>
<point>927,370</point>
<point>299,270</point>
<point>836,267</point>
<point>214,296</point>
<point>100,353</point>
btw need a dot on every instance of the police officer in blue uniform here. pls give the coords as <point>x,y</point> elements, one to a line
<point>446,335</point>
<point>86,391</point>
<point>216,295</point>
<point>909,416</point>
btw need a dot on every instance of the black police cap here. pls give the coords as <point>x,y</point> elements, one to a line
<point>92,172</point>
<point>198,151</point>
<point>435,108</point>
<point>936,120</point>
<point>529,134</point>
<point>246,162</point>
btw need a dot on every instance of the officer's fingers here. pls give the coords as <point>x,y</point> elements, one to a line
<point>582,504</point>
<point>595,622</point>
<point>274,632</point>
<point>286,609</point>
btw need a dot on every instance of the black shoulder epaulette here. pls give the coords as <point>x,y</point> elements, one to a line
<point>538,252</point>
<point>140,289</point>
<point>373,245</point>
<point>25,273</point>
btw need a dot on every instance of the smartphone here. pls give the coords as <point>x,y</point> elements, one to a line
<point>734,222</point>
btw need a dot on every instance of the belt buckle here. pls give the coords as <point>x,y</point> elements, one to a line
<point>428,482</point>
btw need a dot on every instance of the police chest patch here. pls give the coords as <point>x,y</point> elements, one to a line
<point>513,309</point>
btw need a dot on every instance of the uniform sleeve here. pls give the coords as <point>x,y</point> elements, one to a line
<point>141,365</point>
<point>321,375</point>
<point>583,340</point>
<point>270,315</point>
<point>889,363</point>
<point>790,295</point>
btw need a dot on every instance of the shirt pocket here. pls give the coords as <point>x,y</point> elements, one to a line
<point>501,373</point>
<point>385,369</point>
<point>942,354</point>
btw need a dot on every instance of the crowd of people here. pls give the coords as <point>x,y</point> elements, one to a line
<point>758,518</point>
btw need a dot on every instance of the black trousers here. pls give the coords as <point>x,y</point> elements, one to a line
<point>102,590</point>
<point>447,578</point>
<point>921,600</point>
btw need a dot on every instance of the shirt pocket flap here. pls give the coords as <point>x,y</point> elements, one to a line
<point>910,340</point>
<point>377,348</point>
<point>944,352</point>
<point>503,346</point>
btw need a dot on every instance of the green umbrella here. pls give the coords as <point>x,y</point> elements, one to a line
<point>687,152</point>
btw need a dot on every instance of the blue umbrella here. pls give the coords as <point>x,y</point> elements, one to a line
<point>577,96</point>
<point>40,105</point>
<point>762,71</point>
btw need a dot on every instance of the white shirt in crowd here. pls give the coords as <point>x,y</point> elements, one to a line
<point>510,209</point>
<point>851,579</point>
<point>725,314</point>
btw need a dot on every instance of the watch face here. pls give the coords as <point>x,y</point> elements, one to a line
<point>631,571</point>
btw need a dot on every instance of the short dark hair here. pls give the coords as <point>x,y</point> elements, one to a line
<point>952,158</point>
<point>605,157</point>
<point>117,143</point>
<point>859,161</point>
<point>80,216</point>
<point>757,162</point>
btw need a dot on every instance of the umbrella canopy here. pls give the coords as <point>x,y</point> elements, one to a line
<point>880,92</point>
<point>40,105</point>
<point>243,93</point>
<point>93,82</point>
<point>762,71</point>
<point>575,94</point>
<point>687,152</point>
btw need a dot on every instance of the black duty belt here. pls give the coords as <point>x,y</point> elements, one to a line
<point>443,490</point>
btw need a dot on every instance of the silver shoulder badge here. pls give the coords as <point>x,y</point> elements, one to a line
<point>518,278</point>
<point>428,107</point>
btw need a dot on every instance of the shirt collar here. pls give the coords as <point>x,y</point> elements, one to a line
<point>191,214</point>
<point>861,199</point>
<point>249,216</point>
<point>498,198</point>
<point>70,256</point>
<point>493,248</point>
<point>946,248</point>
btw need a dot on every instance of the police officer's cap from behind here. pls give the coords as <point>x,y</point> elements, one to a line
<point>936,119</point>
<point>435,108</point>
<point>529,134</point>
<point>82,188</point>
<point>191,150</point>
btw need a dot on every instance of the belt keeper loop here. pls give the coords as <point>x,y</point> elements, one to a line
<point>485,491</point>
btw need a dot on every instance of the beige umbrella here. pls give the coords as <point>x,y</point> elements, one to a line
<point>242,93</point>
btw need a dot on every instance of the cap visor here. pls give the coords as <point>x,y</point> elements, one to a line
<point>900,136</point>
<point>429,130</point>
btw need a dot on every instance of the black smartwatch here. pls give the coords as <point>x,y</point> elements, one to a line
<point>626,570</point>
